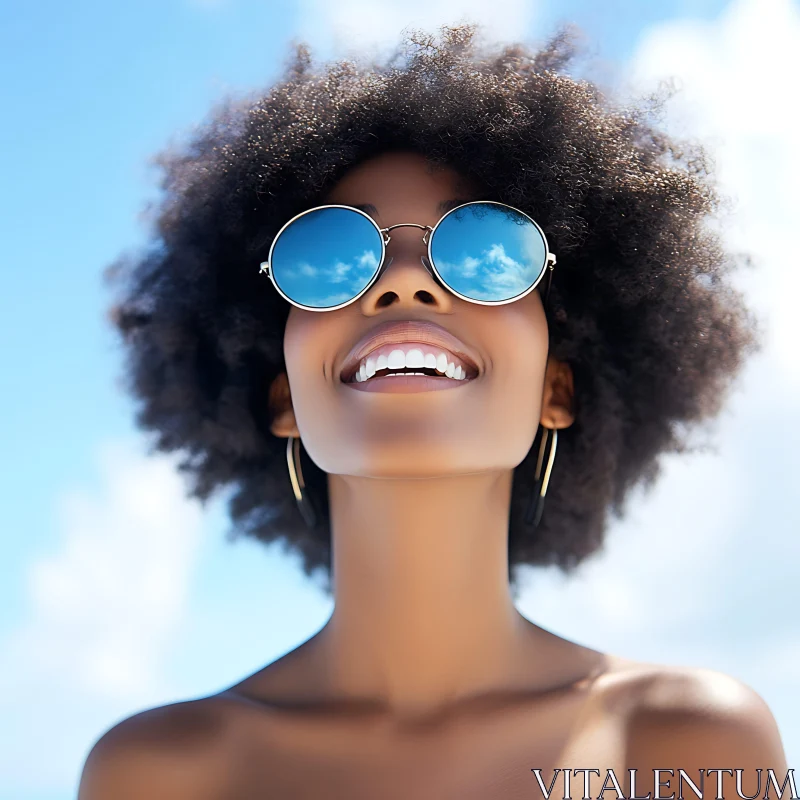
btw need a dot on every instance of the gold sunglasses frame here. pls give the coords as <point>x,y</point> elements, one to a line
<point>427,239</point>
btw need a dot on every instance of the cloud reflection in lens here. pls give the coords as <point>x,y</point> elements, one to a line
<point>326,257</point>
<point>488,252</point>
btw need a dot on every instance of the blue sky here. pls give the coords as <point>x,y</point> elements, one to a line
<point>106,608</point>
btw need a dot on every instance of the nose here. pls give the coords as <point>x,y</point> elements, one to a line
<point>405,281</point>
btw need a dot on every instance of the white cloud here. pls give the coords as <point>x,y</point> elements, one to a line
<point>101,610</point>
<point>648,574</point>
<point>372,25</point>
<point>738,79</point>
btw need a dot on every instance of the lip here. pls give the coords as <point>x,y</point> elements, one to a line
<point>404,332</point>
<point>407,384</point>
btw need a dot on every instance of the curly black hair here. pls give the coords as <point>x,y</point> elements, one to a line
<point>641,307</point>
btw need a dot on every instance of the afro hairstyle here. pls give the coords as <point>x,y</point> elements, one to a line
<point>641,306</point>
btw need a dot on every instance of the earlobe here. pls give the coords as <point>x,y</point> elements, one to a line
<point>558,397</point>
<point>283,422</point>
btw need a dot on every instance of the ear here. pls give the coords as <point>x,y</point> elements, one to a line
<point>283,423</point>
<point>558,396</point>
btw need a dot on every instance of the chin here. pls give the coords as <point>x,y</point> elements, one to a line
<point>414,458</point>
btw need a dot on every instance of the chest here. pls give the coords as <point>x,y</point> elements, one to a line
<point>497,760</point>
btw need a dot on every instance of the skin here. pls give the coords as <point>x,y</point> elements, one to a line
<point>426,682</point>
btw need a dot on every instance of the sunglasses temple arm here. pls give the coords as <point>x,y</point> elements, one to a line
<point>550,269</point>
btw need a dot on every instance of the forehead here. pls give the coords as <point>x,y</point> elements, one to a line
<point>399,176</point>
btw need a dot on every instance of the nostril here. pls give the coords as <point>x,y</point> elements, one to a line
<point>426,297</point>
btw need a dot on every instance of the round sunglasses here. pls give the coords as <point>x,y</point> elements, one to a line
<point>483,252</point>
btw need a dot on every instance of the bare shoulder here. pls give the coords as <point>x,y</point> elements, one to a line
<point>176,751</point>
<point>692,718</point>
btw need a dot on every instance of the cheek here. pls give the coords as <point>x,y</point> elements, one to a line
<point>303,339</point>
<point>298,342</point>
<point>516,384</point>
<point>514,400</point>
<point>524,358</point>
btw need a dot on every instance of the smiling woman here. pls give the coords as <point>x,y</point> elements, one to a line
<point>330,259</point>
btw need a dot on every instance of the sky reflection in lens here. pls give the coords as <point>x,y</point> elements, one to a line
<point>488,252</point>
<point>326,257</point>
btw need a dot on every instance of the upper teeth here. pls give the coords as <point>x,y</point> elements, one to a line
<point>414,357</point>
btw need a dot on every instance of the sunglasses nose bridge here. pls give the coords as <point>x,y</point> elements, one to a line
<point>411,242</point>
<point>427,228</point>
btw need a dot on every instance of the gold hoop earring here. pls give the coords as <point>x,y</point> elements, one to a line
<point>540,483</point>
<point>304,504</point>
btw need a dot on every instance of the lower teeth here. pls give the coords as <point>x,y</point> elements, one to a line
<point>436,374</point>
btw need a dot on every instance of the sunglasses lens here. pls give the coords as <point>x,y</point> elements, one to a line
<point>488,252</point>
<point>326,257</point>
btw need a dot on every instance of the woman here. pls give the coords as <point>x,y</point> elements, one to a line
<point>538,257</point>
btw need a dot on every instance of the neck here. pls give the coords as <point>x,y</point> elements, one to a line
<point>423,611</point>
